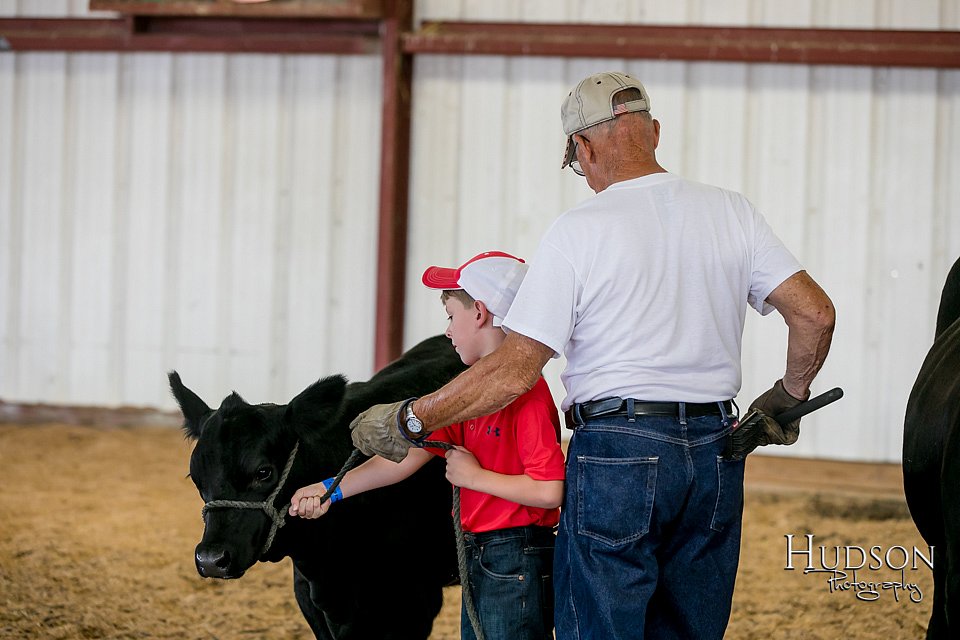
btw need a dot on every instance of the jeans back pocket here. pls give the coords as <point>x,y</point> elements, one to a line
<point>729,507</point>
<point>615,497</point>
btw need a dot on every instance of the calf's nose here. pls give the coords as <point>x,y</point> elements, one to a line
<point>212,562</point>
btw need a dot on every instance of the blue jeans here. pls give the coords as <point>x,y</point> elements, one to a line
<point>649,538</point>
<point>511,575</point>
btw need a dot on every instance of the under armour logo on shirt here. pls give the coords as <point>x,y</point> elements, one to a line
<point>495,431</point>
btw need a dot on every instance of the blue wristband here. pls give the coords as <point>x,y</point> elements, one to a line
<point>337,495</point>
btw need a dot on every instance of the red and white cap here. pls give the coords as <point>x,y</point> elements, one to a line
<point>492,277</point>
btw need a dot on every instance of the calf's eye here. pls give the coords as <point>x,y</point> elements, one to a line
<point>264,473</point>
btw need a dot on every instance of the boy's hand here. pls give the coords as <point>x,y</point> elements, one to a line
<point>462,468</point>
<point>306,502</point>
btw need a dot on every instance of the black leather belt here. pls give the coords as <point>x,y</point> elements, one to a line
<point>579,413</point>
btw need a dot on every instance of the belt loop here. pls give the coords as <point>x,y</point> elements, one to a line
<point>631,410</point>
<point>725,419</point>
<point>577,420</point>
<point>683,412</point>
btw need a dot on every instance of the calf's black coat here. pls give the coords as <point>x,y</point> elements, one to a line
<point>374,566</point>
<point>931,459</point>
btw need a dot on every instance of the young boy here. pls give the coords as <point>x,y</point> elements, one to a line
<point>508,464</point>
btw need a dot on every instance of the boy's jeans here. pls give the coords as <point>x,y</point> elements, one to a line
<point>511,574</point>
<point>649,537</point>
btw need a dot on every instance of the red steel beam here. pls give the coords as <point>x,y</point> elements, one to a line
<point>862,47</point>
<point>394,179</point>
<point>158,33</point>
<point>939,49</point>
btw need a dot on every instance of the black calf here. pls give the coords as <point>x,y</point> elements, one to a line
<point>931,459</point>
<point>374,567</point>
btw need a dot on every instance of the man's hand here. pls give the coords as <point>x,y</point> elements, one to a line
<point>462,468</point>
<point>758,428</point>
<point>772,403</point>
<point>376,432</point>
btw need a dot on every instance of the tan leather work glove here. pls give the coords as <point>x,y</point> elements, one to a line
<point>376,432</point>
<point>771,403</point>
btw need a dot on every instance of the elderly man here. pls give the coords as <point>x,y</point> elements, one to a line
<point>644,287</point>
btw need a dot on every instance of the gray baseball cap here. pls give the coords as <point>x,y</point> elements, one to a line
<point>591,102</point>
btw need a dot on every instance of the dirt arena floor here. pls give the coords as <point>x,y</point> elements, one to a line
<point>98,526</point>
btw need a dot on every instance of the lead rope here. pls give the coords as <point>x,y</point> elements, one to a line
<point>465,591</point>
<point>277,516</point>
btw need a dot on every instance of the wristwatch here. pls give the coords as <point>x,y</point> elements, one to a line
<point>410,425</point>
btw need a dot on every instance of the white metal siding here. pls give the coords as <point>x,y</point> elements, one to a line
<point>854,168</point>
<point>217,213</point>
<point>50,9</point>
<point>851,166</point>
<point>210,213</point>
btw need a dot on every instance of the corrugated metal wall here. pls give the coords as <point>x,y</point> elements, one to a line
<point>218,213</point>
<point>212,213</point>
<point>855,168</point>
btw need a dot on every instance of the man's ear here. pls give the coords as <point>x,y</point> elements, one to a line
<point>586,147</point>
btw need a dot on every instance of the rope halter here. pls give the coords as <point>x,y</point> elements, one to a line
<point>277,516</point>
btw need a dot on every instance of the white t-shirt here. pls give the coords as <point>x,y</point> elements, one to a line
<point>644,287</point>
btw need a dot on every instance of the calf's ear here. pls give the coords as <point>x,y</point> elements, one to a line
<point>232,401</point>
<point>321,400</point>
<point>195,411</point>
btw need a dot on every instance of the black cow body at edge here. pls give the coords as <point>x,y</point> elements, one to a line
<point>931,459</point>
<point>374,567</point>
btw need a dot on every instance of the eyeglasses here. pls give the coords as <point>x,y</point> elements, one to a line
<point>575,163</point>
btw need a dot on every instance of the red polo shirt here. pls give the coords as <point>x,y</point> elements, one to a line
<point>521,438</point>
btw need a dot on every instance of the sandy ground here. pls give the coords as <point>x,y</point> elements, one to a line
<point>98,526</point>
